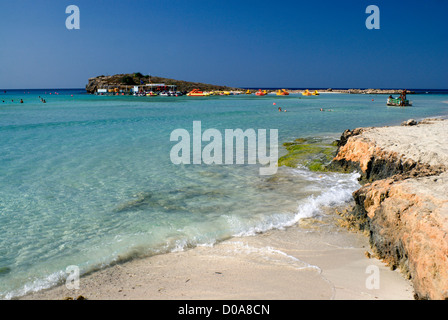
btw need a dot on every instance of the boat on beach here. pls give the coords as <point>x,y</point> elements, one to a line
<point>315,93</point>
<point>261,93</point>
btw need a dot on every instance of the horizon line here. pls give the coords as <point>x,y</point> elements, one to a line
<point>2,90</point>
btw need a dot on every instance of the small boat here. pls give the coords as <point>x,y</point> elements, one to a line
<point>315,93</point>
<point>151,94</point>
<point>248,92</point>
<point>398,102</point>
<point>260,93</point>
<point>197,93</point>
<point>306,93</point>
<point>282,92</point>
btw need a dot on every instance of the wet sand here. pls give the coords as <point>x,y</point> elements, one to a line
<point>315,259</point>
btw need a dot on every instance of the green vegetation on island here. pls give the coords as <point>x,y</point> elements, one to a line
<point>122,80</point>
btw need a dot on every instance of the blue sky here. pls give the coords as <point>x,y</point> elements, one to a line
<point>238,43</point>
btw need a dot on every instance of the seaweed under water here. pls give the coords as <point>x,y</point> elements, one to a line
<point>313,153</point>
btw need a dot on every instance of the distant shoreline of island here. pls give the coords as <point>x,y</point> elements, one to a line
<point>273,90</point>
<point>200,86</point>
<point>126,81</point>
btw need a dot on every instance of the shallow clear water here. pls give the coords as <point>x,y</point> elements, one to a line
<point>87,180</point>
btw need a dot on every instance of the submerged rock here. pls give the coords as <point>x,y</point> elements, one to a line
<point>4,270</point>
<point>312,153</point>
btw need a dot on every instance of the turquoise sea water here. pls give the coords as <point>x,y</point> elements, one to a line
<point>87,180</point>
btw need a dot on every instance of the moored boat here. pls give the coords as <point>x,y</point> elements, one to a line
<point>197,93</point>
<point>282,92</point>
<point>260,93</point>
<point>306,93</point>
<point>401,101</point>
<point>398,102</point>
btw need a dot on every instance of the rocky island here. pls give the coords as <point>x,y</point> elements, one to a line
<point>403,204</point>
<point>125,81</point>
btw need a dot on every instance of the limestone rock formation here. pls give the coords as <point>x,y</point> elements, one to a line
<point>403,203</point>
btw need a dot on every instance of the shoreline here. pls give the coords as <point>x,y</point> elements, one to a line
<point>314,260</point>
<point>317,258</point>
<point>124,82</point>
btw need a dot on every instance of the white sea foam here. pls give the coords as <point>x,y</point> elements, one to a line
<point>35,286</point>
<point>336,189</point>
<point>272,255</point>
